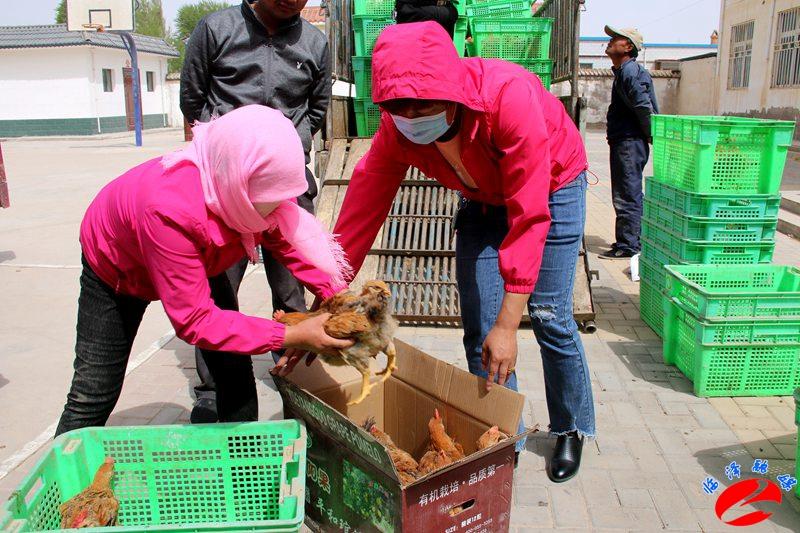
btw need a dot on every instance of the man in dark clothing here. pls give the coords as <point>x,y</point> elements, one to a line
<point>260,52</point>
<point>633,102</point>
<point>442,11</point>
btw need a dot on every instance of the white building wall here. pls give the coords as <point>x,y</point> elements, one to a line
<point>759,98</point>
<point>113,104</point>
<point>45,83</point>
<point>174,98</point>
<point>694,96</point>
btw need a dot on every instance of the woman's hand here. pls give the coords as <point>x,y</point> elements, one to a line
<point>499,354</point>
<point>308,336</point>
<point>500,346</point>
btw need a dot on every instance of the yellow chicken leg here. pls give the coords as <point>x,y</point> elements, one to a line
<point>391,355</point>
<point>366,387</point>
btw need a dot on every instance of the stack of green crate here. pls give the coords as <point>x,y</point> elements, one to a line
<point>797,421</point>
<point>713,198</point>
<point>734,330</point>
<point>506,30</point>
<point>370,17</point>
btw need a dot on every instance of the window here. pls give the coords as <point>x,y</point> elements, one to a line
<point>786,63</point>
<point>151,82</point>
<point>741,54</point>
<point>587,65</point>
<point>108,80</point>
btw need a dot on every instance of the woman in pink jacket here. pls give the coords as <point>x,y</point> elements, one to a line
<point>490,130</point>
<point>159,231</point>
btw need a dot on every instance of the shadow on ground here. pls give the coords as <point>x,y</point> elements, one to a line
<point>7,255</point>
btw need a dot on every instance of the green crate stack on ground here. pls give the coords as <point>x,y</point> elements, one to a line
<point>370,17</point>
<point>734,330</point>
<point>506,30</point>
<point>713,198</point>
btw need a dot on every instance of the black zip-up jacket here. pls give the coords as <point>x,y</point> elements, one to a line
<point>232,61</point>
<point>633,102</point>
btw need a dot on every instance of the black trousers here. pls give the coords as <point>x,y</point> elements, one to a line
<point>288,294</point>
<point>628,159</point>
<point>107,325</point>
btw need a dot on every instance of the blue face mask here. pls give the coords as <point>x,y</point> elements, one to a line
<point>422,130</point>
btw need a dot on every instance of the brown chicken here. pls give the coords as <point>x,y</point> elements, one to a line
<point>441,441</point>
<point>96,506</point>
<point>432,461</point>
<point>365,318</point>
<point>492,436</point>
<point>404,463</point>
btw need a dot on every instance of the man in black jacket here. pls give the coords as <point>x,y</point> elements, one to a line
<point>633,102</point>
<point>441,11</point>
<point>260,52</point>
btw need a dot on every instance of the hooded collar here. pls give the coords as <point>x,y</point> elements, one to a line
<point>419,61</point>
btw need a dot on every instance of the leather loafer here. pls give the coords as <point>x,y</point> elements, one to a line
<point>566,458</point>
<point>204,411</point>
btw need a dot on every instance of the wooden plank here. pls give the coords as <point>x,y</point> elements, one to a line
<point>327,196</point>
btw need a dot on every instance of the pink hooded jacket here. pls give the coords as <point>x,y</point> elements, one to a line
<point>149,234</point>
<point>518,144</point>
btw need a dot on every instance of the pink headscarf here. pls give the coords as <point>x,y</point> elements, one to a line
<point>254,155</point>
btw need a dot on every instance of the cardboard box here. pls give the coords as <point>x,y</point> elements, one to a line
<point>352,484</point>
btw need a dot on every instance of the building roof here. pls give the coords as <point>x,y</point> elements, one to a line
<point>313,14</point>
<point>709,46</point>
<point>49,35</point>
<point>608,73</point>
<point>701,56</point>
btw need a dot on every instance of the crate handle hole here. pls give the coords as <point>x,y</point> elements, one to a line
<point>34,491</point>
<point>460,508</point>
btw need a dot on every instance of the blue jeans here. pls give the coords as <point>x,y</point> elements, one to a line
<point>481,229</point>
<point>628,158</point>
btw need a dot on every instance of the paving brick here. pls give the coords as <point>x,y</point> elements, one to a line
<point>755,411</point>
<point>785,415</point>
<point>757,444</point>
<point>569,506</point>
<point>627,415</point>
<point>168,415</point>
<point>674,510</point>
<point>635,499</point>
<point>676,408</point>
<point>707,416</point>
<point>598,489</point>
<point>643,480</point>
<point>754,423</point>
<point>726,407</point>
<point>646,402</point>
<point>532,517</point>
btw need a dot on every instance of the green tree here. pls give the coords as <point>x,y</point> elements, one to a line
<point>61,12</point>
<point>187,18</point>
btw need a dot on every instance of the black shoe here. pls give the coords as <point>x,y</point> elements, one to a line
<point>616,253</point>
<point>204,411</point>
<point>566,458</point>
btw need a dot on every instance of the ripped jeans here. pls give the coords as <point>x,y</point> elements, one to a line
<point>481,229</point>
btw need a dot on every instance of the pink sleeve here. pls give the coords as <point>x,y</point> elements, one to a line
<point>179,277</point>
<point>369,197</point>
<point>520,133</point>
<point>315,280</point>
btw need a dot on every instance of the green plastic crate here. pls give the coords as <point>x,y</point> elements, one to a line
<point>368,116</point>
<point>720,154</point>
<point>651,307</point>
<point>655,255</point>
<point>366,29</point>
<point>710,229</point>
<point>718,206</point>
<point>541,67</point>
<point>652,273</point>
<point>460,36</point>
<point>375,8</point>
<point>362,75</point>
<point>707,252</point>
<point>512,38</point>
<point>502,9</point>
<point>736,291</point>
<point>797,421</point>
<point>740,369</point>
<point>207,477</point>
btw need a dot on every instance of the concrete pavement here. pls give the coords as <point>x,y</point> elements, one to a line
<point>656,442</point>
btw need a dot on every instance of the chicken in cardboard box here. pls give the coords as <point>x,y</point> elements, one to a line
<point>363,479</point>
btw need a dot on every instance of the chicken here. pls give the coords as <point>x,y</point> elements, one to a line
<point>492,436</point>
<point>96,506</point>
<point>441,441</point>
<point>365,318</point>
<point>404,463</point>
<point>432,461</point>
